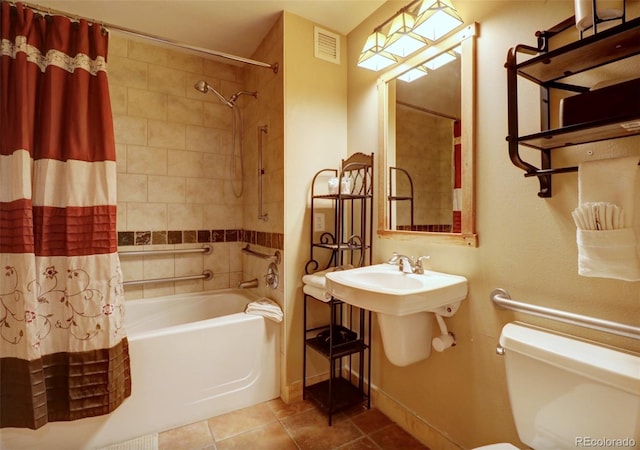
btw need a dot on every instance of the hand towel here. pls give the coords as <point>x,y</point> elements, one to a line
<point>608,254</point>
<point>606,233</point>
<point>316,292</point>
<point>316,279</point>
<point>265,307</point>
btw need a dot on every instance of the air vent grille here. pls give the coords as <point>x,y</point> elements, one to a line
<point>326,45</point>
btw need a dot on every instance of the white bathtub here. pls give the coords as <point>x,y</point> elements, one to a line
<point>193,356</point>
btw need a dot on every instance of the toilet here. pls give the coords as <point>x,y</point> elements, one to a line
<point>568,393</point>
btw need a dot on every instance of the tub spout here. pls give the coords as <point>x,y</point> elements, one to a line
<point>248,284</point>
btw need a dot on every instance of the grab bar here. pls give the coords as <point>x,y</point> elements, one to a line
<point>275,257</point>
<point>264,129</point>
<point>206,275</point>
<point>207,250</point>
<point>502,299</point>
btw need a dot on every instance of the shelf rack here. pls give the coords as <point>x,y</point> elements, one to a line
<point>344,339</point>
<point>548,69</point>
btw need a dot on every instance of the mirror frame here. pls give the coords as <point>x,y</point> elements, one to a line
<point>466,37</point>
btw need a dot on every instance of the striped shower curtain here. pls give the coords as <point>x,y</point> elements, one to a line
<point>63,350</point>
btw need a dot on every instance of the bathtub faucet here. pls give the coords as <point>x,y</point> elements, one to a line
<point>248,284</point>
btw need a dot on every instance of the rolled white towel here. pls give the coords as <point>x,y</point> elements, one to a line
<point>601,216</point>
<point>265,307</point>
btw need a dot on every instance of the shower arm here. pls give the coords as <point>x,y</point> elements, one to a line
<point>264,129</point>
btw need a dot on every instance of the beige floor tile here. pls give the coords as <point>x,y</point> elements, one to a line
<point>393,437</point>
<point>310,430</point>
<point>364,443</point>
<point>268,437</point>
<point>282,409</point>
<point>190,437</point>
<point>240,421</point>
<point>371,421</point>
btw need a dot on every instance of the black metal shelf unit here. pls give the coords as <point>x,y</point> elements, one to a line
<point>549,69</point>
<point>345,343</point>
<point>344,339</point>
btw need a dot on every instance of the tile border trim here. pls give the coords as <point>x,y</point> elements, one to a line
<point>262,238</point>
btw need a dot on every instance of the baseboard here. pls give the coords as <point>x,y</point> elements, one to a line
<point>293,392</point>
<point>409,421</point>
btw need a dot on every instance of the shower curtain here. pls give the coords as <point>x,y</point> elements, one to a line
<point>63,351</point>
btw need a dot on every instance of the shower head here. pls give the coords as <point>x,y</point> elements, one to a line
<point>205,87</point>
<point>202,86</point>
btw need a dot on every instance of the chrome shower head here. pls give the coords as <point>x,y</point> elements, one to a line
<point>202,86</point>
<point>205,87</point>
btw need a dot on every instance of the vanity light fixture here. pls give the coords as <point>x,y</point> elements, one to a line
<point>436,18</point>
<point>373,55</point>
<point>418,24</point>
<point>402,41</point>
<point>413,74</point>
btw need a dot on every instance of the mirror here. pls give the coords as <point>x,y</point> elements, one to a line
<point>427,136</point>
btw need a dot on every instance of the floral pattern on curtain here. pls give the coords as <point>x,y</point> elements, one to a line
<point>63,349</point>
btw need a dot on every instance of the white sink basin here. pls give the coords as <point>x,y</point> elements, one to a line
<point>383,288</point>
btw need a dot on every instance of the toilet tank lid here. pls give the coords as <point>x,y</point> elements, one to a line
<point>605,365</point>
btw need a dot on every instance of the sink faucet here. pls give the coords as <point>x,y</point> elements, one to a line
<point>407,264</point>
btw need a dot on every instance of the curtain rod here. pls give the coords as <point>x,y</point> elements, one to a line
<point>128,31</point>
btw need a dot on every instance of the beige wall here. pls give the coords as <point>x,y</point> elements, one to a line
<point>315,96</point>
<point>526,244</point>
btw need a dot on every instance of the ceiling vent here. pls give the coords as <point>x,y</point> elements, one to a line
<point>326,45</point>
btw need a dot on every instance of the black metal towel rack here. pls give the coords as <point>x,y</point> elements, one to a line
<point>548,68</point>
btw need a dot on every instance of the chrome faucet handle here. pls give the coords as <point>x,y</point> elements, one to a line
<point>419,267</point>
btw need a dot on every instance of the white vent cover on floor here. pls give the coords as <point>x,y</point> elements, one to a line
<point>326,45</point>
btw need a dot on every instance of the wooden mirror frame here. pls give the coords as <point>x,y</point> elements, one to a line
<point>467,236</point>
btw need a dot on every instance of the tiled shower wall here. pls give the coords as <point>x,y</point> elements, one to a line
<point>174,154</point>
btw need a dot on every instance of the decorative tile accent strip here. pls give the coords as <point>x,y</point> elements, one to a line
<point>174,237</point>
<point>436,228</point>
<point>159,237</point>
<point>265,239</point>
<point>143,237</point>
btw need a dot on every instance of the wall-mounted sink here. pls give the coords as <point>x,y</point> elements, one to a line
<point>403,302</point>
<point>383,288</point>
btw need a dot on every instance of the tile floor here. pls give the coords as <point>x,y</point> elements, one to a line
<point>275,425</point>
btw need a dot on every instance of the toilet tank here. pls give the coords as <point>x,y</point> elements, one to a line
<point>567,393</point>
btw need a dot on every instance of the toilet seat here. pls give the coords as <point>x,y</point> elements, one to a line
<point>502,446</point>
